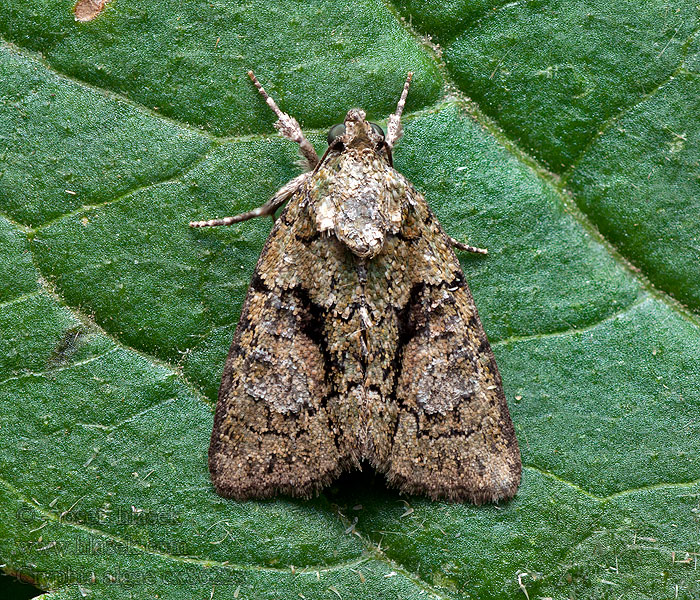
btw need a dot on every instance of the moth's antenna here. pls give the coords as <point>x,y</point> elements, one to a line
<point>288,126</point>
<point>393,127</point>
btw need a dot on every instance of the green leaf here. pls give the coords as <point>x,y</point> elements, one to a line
<point>562,136</point>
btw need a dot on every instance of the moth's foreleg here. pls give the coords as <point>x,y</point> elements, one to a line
<point>467,247</point>
<point>267,209</point>
<point>393,126</point>
<point>289,127</point>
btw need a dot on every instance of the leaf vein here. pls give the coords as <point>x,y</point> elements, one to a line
<point>605,499</point>
<point>611,121</point>
<point>55,517</point>
<point>536,336</point>
<point>50,372</point>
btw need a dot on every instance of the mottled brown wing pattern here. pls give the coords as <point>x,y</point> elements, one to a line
<point>359,340</point>
<point>453,436</point>
<point>337,360</point>
<point>278,425</point>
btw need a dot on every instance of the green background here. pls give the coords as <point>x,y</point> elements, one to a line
<point>562,136</point>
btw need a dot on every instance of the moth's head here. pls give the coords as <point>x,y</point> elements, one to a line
<point>357,132</point>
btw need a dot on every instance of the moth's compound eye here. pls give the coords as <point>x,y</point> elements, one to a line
<point>335,131</point>
<point>377,129</point>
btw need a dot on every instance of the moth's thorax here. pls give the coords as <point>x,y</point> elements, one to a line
<point>356,194</point>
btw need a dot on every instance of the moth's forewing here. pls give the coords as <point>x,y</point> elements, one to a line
<point>277,427</point>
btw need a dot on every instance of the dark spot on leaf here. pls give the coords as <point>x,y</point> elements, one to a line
<point>19,585</point>
<point>70,343</point>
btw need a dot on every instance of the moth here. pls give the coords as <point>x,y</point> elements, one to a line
<point>359,340</point>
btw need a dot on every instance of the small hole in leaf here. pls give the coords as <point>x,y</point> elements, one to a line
<point>87,10</point>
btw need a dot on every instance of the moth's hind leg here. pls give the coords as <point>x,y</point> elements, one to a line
<point>289,127</point>
<point>267,209</point>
